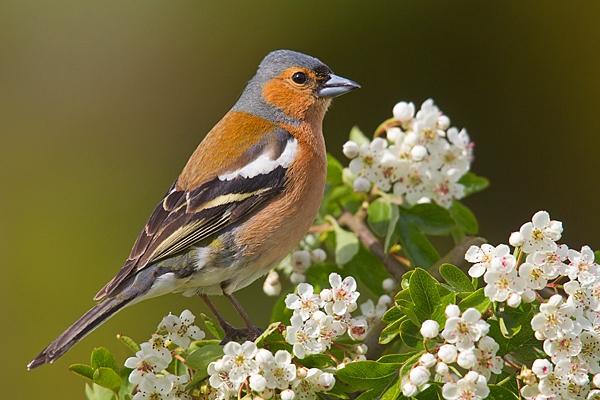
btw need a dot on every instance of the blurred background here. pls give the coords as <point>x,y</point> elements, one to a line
<point>101,104</point>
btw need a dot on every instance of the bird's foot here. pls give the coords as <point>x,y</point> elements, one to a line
<point>233,333</point>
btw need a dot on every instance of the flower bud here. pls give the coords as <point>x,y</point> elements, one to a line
<point>430,329</point>
<point>419,375</point>
<point>389,285</point>
<point>409,389</point>
<point>287,394</point>
<point>466,359</point>
<point>441,368</point>
<point>297,277</point>
<point>318,256</point>
<point>427,360</point>
<point>362,184</point>
<point>403,111</point>
<point>350,149</point>
<point>516,239</point>
<point>447,353</point>
<point>514,300</point>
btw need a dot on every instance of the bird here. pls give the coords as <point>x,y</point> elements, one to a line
<point>245,198</point>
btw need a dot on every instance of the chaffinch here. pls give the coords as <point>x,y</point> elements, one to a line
<point>246,197</point>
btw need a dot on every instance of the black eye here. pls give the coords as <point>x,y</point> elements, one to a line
<point>299,78</point>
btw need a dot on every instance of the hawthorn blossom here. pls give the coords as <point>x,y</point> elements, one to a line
<point>541,233</point>
<point>501,285</point>
<point>278,370</point>
<point>582,266</point>
<point>239,360</point>
<point>553,319</point>
<point>473,387</point>
<point>180,329</point>
<point>304,336</point>
<point>147,361</point>
<point>154,388</point>
<point>314,381</point>
<point>466,330</point>
<point>482,257</point>
<point>305,303</point>
<point>342,294</point>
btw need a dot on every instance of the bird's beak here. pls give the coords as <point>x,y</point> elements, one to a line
<point>336,86</point>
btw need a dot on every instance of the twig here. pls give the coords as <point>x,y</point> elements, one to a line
<point>364,234</point>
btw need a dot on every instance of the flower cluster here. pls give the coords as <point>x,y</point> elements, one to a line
<point>264,373</point>
<point>154,356</point>
<point>421,158</point>
<point>464,342</point>
<point>569,329</point>
<point>319,319</point>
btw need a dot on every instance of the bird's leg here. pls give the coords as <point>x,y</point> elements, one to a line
<point>253,330</point>
<point>231,332</point>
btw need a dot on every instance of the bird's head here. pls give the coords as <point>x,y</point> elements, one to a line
<point>289,86</point>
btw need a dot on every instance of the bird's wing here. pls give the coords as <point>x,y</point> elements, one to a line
<point>185,217</point>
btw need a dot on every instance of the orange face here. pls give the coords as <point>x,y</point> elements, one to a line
<point>293,91</point>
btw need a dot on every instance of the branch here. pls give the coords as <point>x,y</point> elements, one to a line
<point>364,234</point>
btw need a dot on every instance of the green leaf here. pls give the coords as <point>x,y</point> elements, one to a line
<point>501,393</point>
<point>464,218</point>
<point>378,217</point>
<point>97,392</point>
<point>82,370</point>
<point>391,331</point>
<point>334,170</point>
<point>424,293</point>
<point>394,391</point>
<point>129,342</point>
<point>320,361</point>
<point>408,309</point>
<point>432,393</point>
<point>475,300</point>
<point>410,335</point>
<point>346,244</point>
<point>366,374</point>
<point>391,315</point>
<point>417,248</point>
<point>200,359</point>
<point>356,135</point>
<point>458,280</point>
<point>108,378</point>
<point>101,357</point>
<point>430,218</point>
<point>126,387</point>
<point>398,358</point>
<point>473,183</point>
<point>392,236</point>
<point>213,328</point>
<point>509,326</point>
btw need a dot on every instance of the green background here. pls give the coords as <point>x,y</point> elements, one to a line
<point>101,104</point>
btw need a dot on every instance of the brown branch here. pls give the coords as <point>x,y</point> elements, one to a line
<point>364,234</point>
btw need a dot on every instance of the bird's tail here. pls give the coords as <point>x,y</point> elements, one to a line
<point>84,325</point>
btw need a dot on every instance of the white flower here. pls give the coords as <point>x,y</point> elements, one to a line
<point>344,294</point>
<point>551,262</point>
<point>147,361</point>
<point>430,329</point>
<point>447,353</point>
<point>466,359</point>
<point>179,384</point>
<point>582,266</point>
<point>466,330</point>
<point>304,336</point>
<point>445,187</point>
<point>219,379</point>
<point>350,149</point>
<point>486,359</point>
<point>534,276</point>
<point>501,285</point>
<point>541,234</point>
<point>277,370</point>
<point>482,257</point>
<point>305,303</point>
<point>314,381</point>
<point>271,285</point>
<point>180,329</point>
<point>403,111</point>
<point>553,386</point>
<point>154,388</point>
<point>300,260</point>
<point>257,382</point>
<point>357,328</point>
<point>318,256</point>
<point>428,360</point>
<point>542,367</point>
<point>590,351</point>
<point>419,375</point>
<point>389,285</point>
<point>553,319</point>
<point>409,389</point>
<point>563,347</point>
<point>473,387</point>
<point>287,394</point>
<point>329,329</point>
<point>239,360</point>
